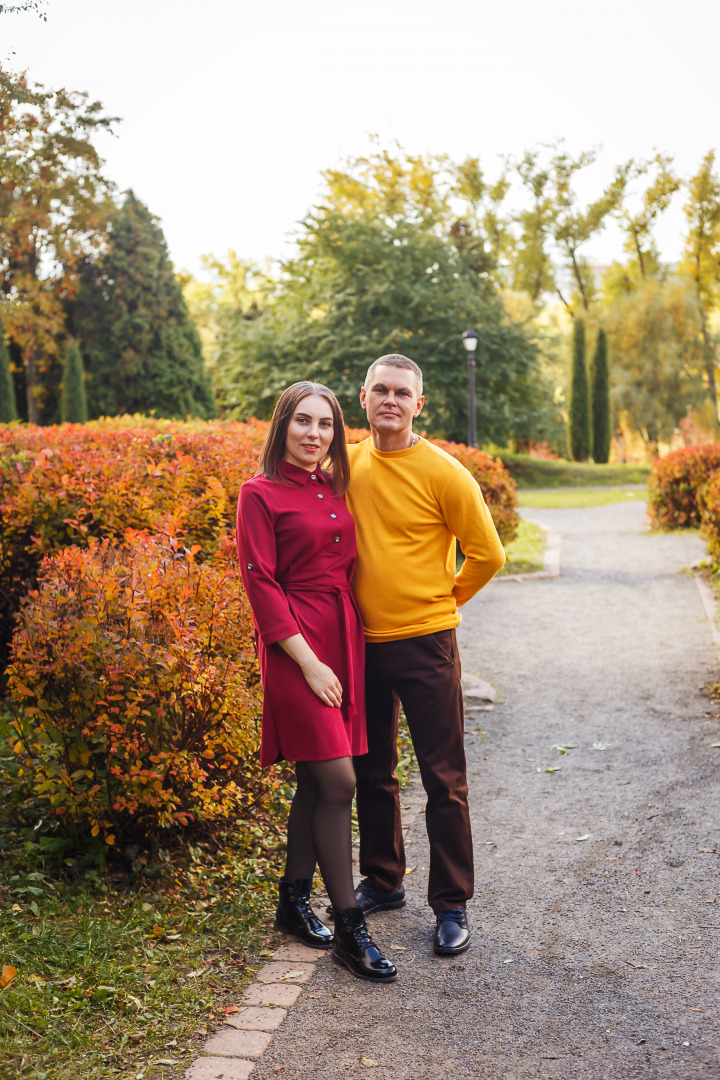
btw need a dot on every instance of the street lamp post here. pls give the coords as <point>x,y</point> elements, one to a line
<point>470,340</point>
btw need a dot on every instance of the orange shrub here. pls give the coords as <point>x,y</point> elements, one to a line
<point>709,505</point>
<point>63,485</point>
<point>674,484</point>
<point>134,669</point>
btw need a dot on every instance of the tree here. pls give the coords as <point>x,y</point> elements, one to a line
<point>533,270</point>
<point>655,335</point>
<point>8,407</point>
<point>638,225</point>
<point>573,227</point>
<point>382,268</point>
<point>579,412</point>
<point>600,401</point>
<point>52,197</point>
<point>74,401</point>
<point>141,349</point>
<point>701,257</point>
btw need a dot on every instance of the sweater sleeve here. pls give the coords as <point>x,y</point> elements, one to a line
<point>469,519</point>
<point>257,552</point>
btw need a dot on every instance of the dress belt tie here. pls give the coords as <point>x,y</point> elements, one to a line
<point>347,617</point>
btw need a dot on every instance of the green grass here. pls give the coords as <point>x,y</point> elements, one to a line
<point>525,554</point>
<point>578,497</point>
<point>530,472</point>
<point>119,973</point>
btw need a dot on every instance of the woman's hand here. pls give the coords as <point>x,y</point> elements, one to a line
<point>323,681</point>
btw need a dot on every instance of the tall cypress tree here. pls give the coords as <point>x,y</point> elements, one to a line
<point>73,403</point>
<point>579,413</point>
<point>141,349</point>
<point>8,405</point>
<point>600,398</point>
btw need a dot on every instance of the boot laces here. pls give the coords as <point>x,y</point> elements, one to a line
<point>362,936</point>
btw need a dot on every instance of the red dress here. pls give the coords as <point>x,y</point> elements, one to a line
<point>296,545</point>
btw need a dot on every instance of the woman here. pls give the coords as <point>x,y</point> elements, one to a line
<point>296,545</point>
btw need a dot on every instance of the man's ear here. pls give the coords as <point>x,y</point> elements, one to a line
<point>419,405</point>
<point>362,397</point>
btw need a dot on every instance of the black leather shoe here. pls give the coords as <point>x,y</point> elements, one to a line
<point>355,949</point>
<point>370,900</point>
<point>452,935</point>
<point>295,916</point>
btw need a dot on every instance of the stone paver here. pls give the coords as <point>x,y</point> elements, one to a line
<point>256,1018</point>
<point>297,972</point>
<point>218,1068</point>
<point>229,1042</point>
<point>271,994</point>
<point>299,952</point>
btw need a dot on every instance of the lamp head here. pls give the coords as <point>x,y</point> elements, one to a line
<point>470,340</point>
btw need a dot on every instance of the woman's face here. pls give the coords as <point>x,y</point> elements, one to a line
<point>309,432</point>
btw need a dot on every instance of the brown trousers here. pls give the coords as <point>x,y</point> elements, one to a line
<point>422,674</point>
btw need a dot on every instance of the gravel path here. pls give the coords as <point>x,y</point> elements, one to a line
<point>597,910</point>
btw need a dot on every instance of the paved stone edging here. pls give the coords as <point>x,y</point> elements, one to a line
<point>551,561</point>
<point>231,1053</point>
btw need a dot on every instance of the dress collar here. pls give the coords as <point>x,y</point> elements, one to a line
<point>301,476</point>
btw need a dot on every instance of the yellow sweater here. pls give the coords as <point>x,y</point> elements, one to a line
<point>409,505</point>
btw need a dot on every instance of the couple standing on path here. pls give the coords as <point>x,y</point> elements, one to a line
<point>299,552</point>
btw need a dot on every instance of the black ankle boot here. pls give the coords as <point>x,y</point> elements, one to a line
<point>354,948</point>
<point>295,916</point>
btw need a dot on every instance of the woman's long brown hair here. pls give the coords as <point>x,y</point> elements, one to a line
<point>274,446</point>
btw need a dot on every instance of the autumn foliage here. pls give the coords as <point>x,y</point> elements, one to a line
<point>132,666</point>
<point>136,668</point>
<point>675,482</point>
<point>684,492</point>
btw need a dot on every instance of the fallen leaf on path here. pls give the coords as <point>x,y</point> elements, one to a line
<point>715,745</point>
<point>410,870</point>
<point>369,1062</point>
<point>636,964</point>
<point>399,948</point>
<point>708,850</point>
<point>231,1009</point>
<point>7,975</point>
<point>601,745</point>
<point>555,769</point>
<point>508,961</point>
<point>562,748</point>
<point>293,974</point>
<point>579,839</point>
<point>165,1061</point>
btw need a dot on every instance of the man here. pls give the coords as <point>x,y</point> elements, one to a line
<point>410,500</point>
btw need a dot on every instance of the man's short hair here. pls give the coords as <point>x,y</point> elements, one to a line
<point>399,361</point>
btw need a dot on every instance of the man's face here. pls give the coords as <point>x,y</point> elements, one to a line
<point>391,399</point>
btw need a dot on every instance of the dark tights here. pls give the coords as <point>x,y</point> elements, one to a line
<point>319,827</point>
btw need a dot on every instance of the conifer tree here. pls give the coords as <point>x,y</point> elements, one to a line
<point>579,412</point>
<point>141,350</point>
<point>8,405</point>
<point>600,401</point>
<point>73,403</point>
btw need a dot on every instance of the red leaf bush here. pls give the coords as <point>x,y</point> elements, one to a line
<point>674,485</point>
<point>64,485</point>
<point>135,670</point>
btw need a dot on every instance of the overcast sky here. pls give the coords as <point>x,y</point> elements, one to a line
<point>231,109</point>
